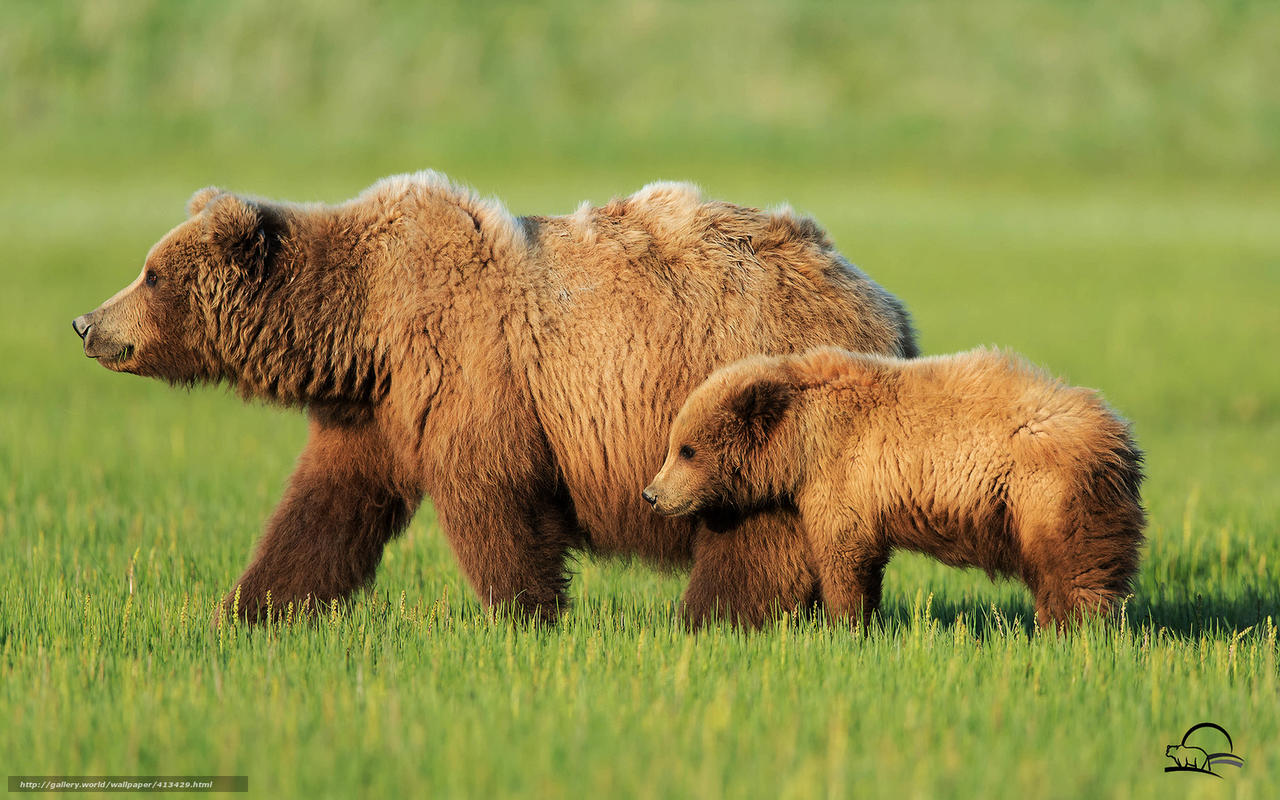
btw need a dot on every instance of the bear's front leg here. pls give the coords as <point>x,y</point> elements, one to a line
<point>325,539</point>
<point>750,572</point>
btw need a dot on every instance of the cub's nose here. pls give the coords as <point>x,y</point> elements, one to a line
<point>649,496</point>
<point>81,325</point>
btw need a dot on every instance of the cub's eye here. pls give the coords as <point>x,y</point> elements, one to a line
<point>151,278</point>
<point>686,452</point>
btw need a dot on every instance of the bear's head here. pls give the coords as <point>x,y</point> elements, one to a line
<point>723,452</point>
<point>166,324</point>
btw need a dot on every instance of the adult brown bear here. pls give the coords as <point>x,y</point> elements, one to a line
<point>522,372</point>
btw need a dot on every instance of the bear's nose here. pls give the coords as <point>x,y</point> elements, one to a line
<point>649,496</point>
<point>81,325</point>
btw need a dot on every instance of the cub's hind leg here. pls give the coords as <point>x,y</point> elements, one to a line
<point>1080,521</point>
<point>1081,563</point>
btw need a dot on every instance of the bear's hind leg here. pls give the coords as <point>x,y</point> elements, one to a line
<point>513,550</point>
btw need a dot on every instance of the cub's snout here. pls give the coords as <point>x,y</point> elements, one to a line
<point>664,499</point>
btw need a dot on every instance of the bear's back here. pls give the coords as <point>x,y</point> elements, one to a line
<point>630,306</point>
<point>668,235</point>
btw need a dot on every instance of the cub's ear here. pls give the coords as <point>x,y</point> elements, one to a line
<point>201,199</point>
<point>244,231</point>
<point>761,403</point>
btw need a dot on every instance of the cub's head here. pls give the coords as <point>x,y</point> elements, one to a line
<point>719,455</point>
<point>163,324</point>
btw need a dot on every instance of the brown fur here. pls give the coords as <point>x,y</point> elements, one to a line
<point>976,459</point>
<point>517,371</point>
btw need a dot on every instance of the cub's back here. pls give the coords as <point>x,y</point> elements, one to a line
<point>1045,423</point>
<point>956,427</point>
<point>982,391</point>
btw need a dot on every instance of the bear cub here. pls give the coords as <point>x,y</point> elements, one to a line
<point>976,459</point>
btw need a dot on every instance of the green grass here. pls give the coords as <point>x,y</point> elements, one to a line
<point>1091,184</point>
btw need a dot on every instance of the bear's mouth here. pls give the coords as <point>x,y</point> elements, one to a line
<point>672,511</point>
<point>119,357</point>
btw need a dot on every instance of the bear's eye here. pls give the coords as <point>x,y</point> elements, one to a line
<point>686,452</point>
<point>151,278</point>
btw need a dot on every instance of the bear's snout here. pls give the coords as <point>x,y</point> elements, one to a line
<point>101,342</point>
<point>649,496</point>
<point>81,325</point>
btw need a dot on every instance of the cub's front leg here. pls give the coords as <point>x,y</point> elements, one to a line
<point>850,558</point>
<point>750,572</point>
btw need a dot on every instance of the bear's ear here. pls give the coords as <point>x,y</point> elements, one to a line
<point>760,404</point>
<point>244,231</point>
<point>201,199</point>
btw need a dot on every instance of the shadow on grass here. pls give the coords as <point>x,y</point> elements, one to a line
<point>1191,616</point>
<point>1206,614</point>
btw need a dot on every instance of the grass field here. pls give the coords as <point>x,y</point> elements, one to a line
<point>1097,187</point>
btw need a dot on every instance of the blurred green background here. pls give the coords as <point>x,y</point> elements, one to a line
<point>547,104</point>
<point>1175,89</point>
<point>1096,184</point>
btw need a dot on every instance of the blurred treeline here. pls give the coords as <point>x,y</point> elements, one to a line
<point>1170,88</point>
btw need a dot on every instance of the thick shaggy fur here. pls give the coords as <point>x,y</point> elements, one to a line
<point>519,371</point>
<point>976,459</point>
